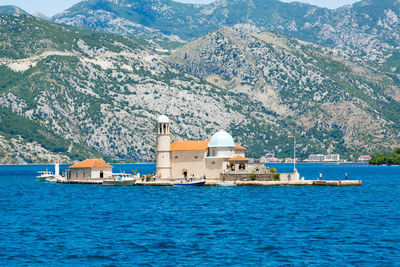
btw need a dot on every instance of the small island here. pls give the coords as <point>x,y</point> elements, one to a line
<point>386,158</point>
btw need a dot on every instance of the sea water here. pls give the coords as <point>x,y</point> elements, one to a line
<point>61,224</point>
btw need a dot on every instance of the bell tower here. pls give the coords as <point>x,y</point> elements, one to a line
<point>163,151</point>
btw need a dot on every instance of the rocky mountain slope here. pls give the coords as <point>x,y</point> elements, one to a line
<point>91,92</point>
<point>328,100</point>
<point>73,93</point>
<point>367,31</point>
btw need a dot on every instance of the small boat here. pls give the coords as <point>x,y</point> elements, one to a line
<point>52,179</point>
<point>45,175</point>
<point>197,183</point>
<point>120,179</point>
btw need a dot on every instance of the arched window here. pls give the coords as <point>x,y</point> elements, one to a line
<point>101,174</point>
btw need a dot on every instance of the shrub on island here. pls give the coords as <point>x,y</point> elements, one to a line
<point>386,158</point>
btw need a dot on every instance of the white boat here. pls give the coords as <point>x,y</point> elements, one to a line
<point>53,179</point>
<point>44,175</point>
<point>120,179</point>
<point>50,176</point>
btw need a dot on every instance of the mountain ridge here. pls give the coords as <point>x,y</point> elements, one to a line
<point>103,92</point>
<point>367,31</point>
<point>12,10</point>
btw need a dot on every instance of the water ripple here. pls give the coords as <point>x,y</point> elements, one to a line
<point>53,224</point>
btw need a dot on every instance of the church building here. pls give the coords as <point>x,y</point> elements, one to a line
<point>196,158</point>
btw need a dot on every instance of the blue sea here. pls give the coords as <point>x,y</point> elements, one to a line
<point>51,224</point>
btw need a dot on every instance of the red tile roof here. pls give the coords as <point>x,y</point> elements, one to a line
<point>189,145</point>
<point>238,158</point>
<point>239,147</point>
<point>91,163</point>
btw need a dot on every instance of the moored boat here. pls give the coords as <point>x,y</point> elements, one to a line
<point>50,176</point>
<point>121,179</point>
<point>196,183</point>
<point>44,175</point>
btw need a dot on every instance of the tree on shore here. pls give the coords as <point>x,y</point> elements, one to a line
<point>386,158</point>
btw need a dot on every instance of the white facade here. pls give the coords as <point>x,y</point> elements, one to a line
<point>89,173</point>
<point>163,151</point>
<point>324,158</point>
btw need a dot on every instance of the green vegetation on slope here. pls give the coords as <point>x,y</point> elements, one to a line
<point>386,158</point>
<point>13,125</point>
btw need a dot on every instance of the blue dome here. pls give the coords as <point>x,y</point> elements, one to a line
<point>221,139</point>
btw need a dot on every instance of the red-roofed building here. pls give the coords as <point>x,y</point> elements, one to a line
<point>89,169</point>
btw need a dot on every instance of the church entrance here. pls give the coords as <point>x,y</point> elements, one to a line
<point>185,173</point>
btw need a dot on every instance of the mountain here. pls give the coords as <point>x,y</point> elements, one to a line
<point>93,93</point>
<point>12,10</point>
<point>40,16</point>
<point>367,31</point>
<point>336,103</point>
<point>71,92</point>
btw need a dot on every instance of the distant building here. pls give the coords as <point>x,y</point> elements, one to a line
<point>316,157</point>
<point>323,158</point>
<point>332,157</point>
<point>89,169</point>
<point>364,158</point>
<point>269,158</point>
<point>290,160</point>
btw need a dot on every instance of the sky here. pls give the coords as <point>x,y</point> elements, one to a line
<point>51,7</point>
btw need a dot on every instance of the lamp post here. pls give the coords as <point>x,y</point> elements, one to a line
<point>294,154</point>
